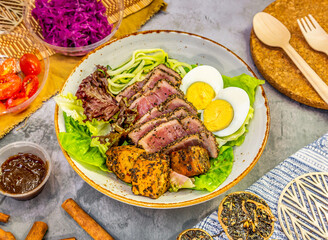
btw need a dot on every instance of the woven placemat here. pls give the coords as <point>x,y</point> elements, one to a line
<point>277,68</point>
<point>61,66</point>
<point>11,14</point>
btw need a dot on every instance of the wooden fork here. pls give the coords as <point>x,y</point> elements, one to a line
<point>314,34</point>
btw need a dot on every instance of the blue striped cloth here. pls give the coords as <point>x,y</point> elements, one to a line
<point>312,158</point>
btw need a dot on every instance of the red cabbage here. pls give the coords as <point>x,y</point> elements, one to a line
<point>72,23</point>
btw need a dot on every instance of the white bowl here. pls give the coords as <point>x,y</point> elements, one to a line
<point>26,147</point>
<point>188,48</point>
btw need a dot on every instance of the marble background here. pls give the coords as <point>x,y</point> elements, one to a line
<point>293,126</point>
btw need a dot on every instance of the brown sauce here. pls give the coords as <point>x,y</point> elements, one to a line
<point>22,173</point>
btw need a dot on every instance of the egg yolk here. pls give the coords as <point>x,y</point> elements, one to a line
<point>200,94</point>
<point>218,115</point>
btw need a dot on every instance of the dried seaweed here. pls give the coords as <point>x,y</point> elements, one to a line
<point>246,216</point>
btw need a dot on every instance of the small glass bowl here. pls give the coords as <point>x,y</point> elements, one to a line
<point>26,147</point>
<point>114,12</point>
<point>16,45</point>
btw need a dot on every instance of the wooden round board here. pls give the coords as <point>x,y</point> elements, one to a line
<point>277,68</point>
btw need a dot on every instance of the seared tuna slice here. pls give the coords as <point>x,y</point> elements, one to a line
<point>139,131</point>
<point>154,97</point>
<point>162,136</point>
<point>166,133</point>
<point>130,90</point>
<point>171,72</point>
<point>177,101</point>
<point>209,142</point>
<point>158,73</point>
<point>153,78</point>
<point>203,139</point>
<point>189,140</point>
<point>151,175</point>
<point>193,125</point>
<point>173,102</point>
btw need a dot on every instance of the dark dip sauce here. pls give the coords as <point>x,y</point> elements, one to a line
<point>22,173</point>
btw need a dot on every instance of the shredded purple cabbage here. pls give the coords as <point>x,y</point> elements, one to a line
<point>72,23</point>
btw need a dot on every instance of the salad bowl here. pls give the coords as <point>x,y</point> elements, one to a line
<point>192,49</point>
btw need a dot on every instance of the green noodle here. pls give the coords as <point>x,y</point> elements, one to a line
<point>139,65</point>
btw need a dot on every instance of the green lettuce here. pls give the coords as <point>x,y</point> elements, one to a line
<point>76,142</point>
<point>218,172</point>
<point>244,81</point>
<point>73,108</point>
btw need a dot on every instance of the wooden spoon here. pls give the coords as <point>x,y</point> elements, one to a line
<point>273,33</point>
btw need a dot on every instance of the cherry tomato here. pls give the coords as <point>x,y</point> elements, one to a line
<point>30,85</point>
<point>12,102</point>
<point>2,107</point>
<point>19,94</point>
<point>8,66</point>
<point>9,85</point>
<point>30,64</point>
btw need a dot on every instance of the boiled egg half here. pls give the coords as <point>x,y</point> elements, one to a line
<point>223,110</point>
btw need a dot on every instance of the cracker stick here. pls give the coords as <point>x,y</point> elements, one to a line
<point>37,231</point>
<point>73,238</point>
<point>85,221</point>
<point>6,235</point>
<point>4,217</point>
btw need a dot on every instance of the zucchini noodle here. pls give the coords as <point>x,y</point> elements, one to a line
<point>139,65</point>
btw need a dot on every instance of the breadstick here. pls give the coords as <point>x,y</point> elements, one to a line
<point>85,221</point>
<point>4,217</point>
<point>6,235</point>
<point>37,231</point>
<point>73,238</point>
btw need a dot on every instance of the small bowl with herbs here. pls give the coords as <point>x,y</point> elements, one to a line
<point>73,28</point>
<point>25,168</point>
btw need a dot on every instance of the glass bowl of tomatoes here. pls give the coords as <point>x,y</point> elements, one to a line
<point>24,67</point>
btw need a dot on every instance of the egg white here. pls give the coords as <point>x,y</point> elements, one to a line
<point>204,73</point>
<point>237,97</point>
<point>240,103</point>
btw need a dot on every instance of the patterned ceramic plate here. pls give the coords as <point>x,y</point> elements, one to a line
<point>303,207</point>
<point>192,49</point>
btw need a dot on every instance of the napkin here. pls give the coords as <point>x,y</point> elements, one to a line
<point>312,158</point>
<point>137,13</point>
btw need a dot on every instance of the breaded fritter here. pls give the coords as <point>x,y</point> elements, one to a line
<point>151,175</point>
<point>121,160</point>
<point>190,161</point>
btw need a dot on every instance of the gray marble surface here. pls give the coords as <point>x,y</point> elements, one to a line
<point>293,126</point>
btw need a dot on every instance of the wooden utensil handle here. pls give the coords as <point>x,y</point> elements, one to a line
<point>320,86</point>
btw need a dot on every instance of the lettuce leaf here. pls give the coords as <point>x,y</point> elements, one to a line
<point>73,108</point>
<point>220,169</point>
<point>244,81</point>
<point>76,142</point>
